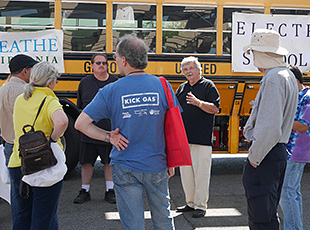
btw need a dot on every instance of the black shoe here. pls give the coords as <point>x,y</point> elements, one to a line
<point>82,197</point>
<point>199,213</point>
<point>186,208</point>
<point>110,196</point>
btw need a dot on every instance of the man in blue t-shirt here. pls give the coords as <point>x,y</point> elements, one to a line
<point>136,105</point>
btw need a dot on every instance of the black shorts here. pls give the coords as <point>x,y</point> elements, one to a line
<point>90,152</point>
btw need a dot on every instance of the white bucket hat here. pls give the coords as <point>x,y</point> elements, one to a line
<point>265,40</point>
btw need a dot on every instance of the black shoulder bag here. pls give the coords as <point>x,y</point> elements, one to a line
<point>35,151</point>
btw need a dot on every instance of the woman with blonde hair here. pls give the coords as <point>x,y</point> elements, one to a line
<point>39,211</point>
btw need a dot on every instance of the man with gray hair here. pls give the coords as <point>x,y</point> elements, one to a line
<point>200,100</point>
<point>136,104</point>
<point>268,129</point>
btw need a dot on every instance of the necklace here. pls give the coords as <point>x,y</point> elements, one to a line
<point>140,71</point>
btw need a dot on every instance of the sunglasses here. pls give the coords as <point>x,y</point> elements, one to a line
<point>101,62</point>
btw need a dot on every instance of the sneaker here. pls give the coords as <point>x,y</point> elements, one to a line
<point>110,196</point>
<point>82,197</point>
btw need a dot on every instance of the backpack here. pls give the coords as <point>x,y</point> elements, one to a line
<point>34,149</point>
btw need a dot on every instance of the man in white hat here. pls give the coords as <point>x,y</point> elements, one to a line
<point>268,129</point>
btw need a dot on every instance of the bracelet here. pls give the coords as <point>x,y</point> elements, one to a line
<point>200,104</point>
<point>107,137</point>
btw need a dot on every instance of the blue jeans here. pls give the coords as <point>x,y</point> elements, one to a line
<point>8,149</point>
<point>291,200</point>
<point>37,212</point>
<point>129,187</point>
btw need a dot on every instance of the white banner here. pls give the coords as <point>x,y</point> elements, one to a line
<point>293,29</point>
<point>45,45</point>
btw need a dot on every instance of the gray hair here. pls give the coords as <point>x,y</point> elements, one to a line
<point>191,59</point>
<point>134,50</point>
<point>41,75</point>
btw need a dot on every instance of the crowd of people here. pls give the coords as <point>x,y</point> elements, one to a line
<point>135,160</point>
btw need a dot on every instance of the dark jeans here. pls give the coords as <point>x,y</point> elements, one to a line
<point>37,212</point>
<point>8,150</point>
<point>263,189</point>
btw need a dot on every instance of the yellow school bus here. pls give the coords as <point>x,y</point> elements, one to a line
<point>173,29</point>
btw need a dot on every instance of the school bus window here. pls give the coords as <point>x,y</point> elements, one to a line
<point>189,42</point>
<point>149,37</point>
<point>189,17</point>
<point>84,15</point>
<point>227,22</point>
<point>298,11</point>
<point>84,26</point>
<point>26,16</point>
<point>189,29</point>
<point>93,40</point>
<point>135,18</point>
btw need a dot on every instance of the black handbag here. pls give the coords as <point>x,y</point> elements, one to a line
<point>34,149</point>
<point>35,152</point>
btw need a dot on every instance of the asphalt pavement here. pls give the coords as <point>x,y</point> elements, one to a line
<point>226,206</point>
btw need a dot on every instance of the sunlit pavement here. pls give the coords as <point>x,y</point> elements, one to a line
<point>226,206</point>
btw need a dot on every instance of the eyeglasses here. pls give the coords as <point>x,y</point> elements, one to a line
<point>101,62</point>
<point>115,56</point>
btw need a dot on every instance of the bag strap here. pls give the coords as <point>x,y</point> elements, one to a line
<point>167,92</point>
<point>39,110</point>
<point>32,126</point>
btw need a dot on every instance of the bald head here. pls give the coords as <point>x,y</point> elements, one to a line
<point>134,50</point>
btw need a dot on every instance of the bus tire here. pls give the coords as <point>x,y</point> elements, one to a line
<point>71,142</point>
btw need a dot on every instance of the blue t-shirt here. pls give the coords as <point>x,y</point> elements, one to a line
<point>136,105</point>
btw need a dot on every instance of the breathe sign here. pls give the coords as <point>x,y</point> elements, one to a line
<point>45,45</point>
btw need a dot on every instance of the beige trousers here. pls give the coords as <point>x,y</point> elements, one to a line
<point>196,178</point>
